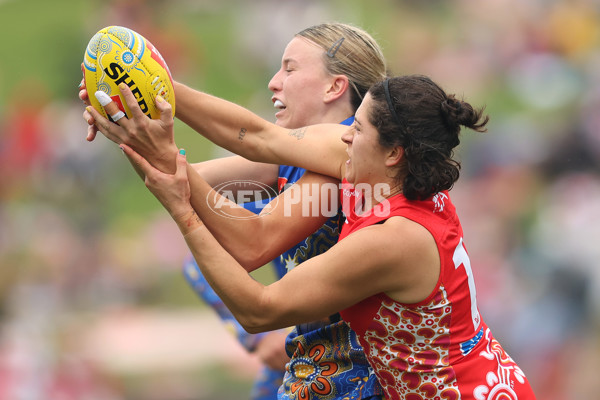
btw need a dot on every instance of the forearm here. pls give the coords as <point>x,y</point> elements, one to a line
<point>254,240</point>
<point>235,168</point>
<point>232,225</point>
<point>222,122</point>
<point>137,169</point>
<point>316,148</point>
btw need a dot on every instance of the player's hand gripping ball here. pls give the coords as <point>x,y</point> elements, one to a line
<point>117,55</point>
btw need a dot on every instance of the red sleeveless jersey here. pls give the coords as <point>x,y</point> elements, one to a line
<point>439,348</point>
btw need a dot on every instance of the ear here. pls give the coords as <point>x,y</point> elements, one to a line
<point>339,85</point>
<point>394,156</point>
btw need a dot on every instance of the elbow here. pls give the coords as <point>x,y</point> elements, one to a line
<point>250,247</point>
<point>256,256</point>
<point>254,329</point>
<point>258,249</point>
<point>262,315</point>
<point>256,323</point>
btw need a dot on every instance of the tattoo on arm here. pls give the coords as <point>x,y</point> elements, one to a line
<point>193,219</point>
<point>197,218</point>
<point>242,133</point>
<point>298,133</point>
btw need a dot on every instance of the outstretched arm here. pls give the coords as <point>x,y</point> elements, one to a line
<point>215,171</point>
<point>316,148</point>
<point>236,168</point>
<point>338,278</point>
<point>252,241</point>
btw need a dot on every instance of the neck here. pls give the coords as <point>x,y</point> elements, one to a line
<point>374,194</point>
<point>337,112</point>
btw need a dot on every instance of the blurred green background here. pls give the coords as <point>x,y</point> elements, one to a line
<point>92,301</point>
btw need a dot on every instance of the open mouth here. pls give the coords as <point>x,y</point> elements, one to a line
<point>279,104</point>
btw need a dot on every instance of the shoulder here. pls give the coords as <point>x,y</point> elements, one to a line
<point>412,232</point>
<point>402,236</point>
<point>396,257</point>
<point>404,255</point>
<point>392,241</point>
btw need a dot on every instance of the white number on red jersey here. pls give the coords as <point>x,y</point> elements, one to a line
<point>461,257</point>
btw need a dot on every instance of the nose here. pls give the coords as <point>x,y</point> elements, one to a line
<point>275,82</point>
<point>348,135</point>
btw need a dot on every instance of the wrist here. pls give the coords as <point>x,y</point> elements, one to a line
<point>187,220</point>
<point>167,161</point>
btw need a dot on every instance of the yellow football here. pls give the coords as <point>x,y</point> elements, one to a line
<point>117,55</point>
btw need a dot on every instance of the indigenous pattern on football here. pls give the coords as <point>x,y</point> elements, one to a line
<point>117,55</point>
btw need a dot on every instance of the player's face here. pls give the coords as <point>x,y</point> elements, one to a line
<point>300,85</point>
<point>366,162</point>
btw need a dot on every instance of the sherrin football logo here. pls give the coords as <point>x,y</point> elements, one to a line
<point>117,55</point>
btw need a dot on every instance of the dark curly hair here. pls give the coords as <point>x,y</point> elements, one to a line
<point>426,122</point>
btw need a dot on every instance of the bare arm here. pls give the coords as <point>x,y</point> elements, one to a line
<point>252,241</point>
<point>406,269</point>
<point>317,148</point>
<point>255,240</point>
<point>226,169</point>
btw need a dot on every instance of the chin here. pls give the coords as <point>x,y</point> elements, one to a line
<point>284,124</point>
<point>349,178</point>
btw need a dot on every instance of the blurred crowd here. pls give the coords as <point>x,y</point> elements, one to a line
<point>80,239</point>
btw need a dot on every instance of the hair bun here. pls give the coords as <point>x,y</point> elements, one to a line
<point>452,110</point>
<point>457,112</point>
